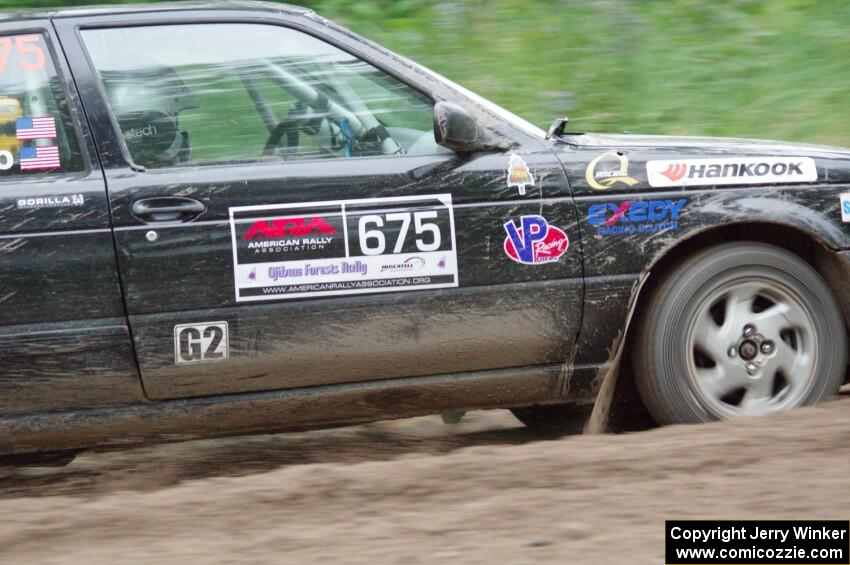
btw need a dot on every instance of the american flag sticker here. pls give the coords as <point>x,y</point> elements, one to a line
<point>40,158</point>
<point>41,127</point>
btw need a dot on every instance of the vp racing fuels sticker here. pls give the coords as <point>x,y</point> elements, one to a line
<point>740,170</point>
<point>343,247</point>
<point>534,241</point>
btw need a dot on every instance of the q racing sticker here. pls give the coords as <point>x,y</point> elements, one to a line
<point>609,170</point>
<point>343,247</point>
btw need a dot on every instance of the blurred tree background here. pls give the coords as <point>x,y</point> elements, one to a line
<point>757,68</point>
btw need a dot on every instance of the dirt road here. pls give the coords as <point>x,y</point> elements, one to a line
<point>418,491</point>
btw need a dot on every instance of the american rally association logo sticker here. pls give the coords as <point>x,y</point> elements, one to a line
<point>534,241</point>
<point>609,170</point>
<point>285,234</point>
<point>339,247</point>
<point>519,175</point>
<point>732,170</point>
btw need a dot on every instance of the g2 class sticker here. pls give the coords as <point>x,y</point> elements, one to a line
<point>534,241</point>
<point>630,217</point>
<point>200,343</point>
<point>731,170</point>
<point>609,170</point>
<point>519,175</point>
<point>51,202</point>
<point>845,208</point>
<point>339,247</point>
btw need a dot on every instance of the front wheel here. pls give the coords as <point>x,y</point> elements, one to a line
<point>741,329</point>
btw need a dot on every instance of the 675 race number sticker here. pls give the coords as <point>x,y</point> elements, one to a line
<point>342,247</point>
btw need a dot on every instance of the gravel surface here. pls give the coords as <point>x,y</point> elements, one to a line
<point>420,491</point>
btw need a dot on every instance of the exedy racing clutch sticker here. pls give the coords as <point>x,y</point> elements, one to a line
<point>343,247</point>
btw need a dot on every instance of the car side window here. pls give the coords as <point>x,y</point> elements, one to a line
<point>227,93</point>
<point>36,132</point>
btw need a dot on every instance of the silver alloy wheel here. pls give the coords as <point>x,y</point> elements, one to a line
<point>751,349</point>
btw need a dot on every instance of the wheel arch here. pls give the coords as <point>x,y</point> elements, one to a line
<point>811,247</point>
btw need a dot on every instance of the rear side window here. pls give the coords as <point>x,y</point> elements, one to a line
<point>36,132</point>
<point>228,93</point>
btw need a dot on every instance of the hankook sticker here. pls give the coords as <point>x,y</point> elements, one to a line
<point>343,247</point>
<point>731,170</point>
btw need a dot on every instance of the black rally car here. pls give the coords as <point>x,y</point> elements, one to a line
<point>234,217</point>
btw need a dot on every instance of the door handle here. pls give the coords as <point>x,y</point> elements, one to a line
<point>168,209</point>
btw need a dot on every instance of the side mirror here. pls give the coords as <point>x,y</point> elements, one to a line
<point>457,130</point>
<point>558,127</point>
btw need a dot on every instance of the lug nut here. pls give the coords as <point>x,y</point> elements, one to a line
<point>767,347</point>
<point>733,352</point>
<point>749,330</point>
<point>752,368</point>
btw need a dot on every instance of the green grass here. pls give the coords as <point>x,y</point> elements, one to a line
<point>759,68</point>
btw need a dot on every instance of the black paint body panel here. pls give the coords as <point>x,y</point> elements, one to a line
<point>187,276</point>
<point>301,344</point>
<point>64,339</point>
<point>315,407</point>
<point>88,303</point>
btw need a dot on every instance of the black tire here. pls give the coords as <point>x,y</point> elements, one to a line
<point>556,419</point>
<point>666,371</point>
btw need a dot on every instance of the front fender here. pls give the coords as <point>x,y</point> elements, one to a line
<point>819,217</point>
<point>807,223</point>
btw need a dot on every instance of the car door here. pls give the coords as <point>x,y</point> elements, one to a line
<point>64,340</point>
<point>284,217</point>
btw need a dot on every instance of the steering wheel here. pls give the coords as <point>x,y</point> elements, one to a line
<point>302,117</point>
